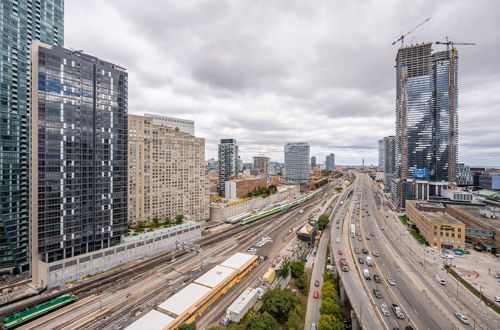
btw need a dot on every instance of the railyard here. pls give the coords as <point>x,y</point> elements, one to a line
<point>122,295</point>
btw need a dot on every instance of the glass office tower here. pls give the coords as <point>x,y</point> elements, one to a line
<point>21,21</point>
<point>297,162</point>
<point>426,121</point>
<point>78,165</point>
<point>441,109</point>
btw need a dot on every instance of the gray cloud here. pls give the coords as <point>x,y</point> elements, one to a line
<point>269,72</point>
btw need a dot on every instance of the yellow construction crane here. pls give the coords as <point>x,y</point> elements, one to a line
<point>452,81</point>
<point>402,38</point>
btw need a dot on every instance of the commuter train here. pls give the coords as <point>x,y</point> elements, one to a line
<point>275,210</point>
<point>37,311</point>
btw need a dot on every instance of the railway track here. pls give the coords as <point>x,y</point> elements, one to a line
<point>108,279</point>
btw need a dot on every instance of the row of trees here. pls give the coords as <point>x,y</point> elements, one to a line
<point>263,191</point>
<point>320,183</point>
<point>330,313</point>
<point>141,226</point>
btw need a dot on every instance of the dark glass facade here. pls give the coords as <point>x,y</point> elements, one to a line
<point>80,125</point>
<point>21,21</point>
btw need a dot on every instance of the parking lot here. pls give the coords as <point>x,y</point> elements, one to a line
<point>478,269</point>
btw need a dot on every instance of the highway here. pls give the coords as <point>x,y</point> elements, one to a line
<point>426,303</point>
<point>411,258</point>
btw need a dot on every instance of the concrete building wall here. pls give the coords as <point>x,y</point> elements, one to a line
<point>166,172</point>
<point>183,125</point>
<point>55,273</point>
<point>220,212</point>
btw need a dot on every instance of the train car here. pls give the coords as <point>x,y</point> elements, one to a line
<point>279,209</point>
<point>37,311</point>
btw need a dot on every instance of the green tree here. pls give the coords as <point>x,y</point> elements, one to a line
<point>167,221</point>
<point>329,306</point>
<point>330,322</point>
<point>156,221</point>
<point>265,321</point>
<point>295,319</point>
<point>284,268</point>
<point>297,268</point>
<point>302,282</point>
<point>279,303</point>
<point>328,289</point>
<point>179,218</point>
<point>185,326</point>
<point>323,221</point>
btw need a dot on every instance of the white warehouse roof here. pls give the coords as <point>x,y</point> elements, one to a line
<point>237,260</point>
<point>151,321</point>
<point>182,300</point>
<point>214,276</point>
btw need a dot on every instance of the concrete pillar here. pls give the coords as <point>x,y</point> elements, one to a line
<point>354,321</point>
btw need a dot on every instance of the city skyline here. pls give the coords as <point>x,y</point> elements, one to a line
<point>290,63</point>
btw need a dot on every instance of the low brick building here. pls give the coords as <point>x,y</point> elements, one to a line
<point>236,189</point>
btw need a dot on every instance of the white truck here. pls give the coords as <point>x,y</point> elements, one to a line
<point>369,261</point>
<point>366,274</point>
<point>353,230</point>
<point>441,281</point>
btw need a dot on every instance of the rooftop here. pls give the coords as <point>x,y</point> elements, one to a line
<point>473,211</point>
<point>185,298</point>
<point>238,260</point>
<point>214,276</point>
<point>151,320</point>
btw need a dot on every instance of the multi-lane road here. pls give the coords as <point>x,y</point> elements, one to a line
<point>426,304</point>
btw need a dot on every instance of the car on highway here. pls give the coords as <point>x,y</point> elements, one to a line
<point>337,239</point>
<point>497,299</point>
<point>345,268</point>
<point>377,293</point>
<point>340,252</point>
<point>391,281</point>
<point>375,254</point>
<point>376,278</point>
<point>338,227</point>
<point>343,261</point>
<point>313,326</point>
<point>398,311</point>
<point>496,276</point>
<point>367,238</point>
<point>356,250</point>
<point>364,250</point>
<point>408,327</point>
<point>360,238</point>
<point>315,295</point>
<point>385,310</point>
<point>361,260</point>
<point>366,274</point>
<point>372,234</point>
<point>462,318</point>
<point>316,283</point>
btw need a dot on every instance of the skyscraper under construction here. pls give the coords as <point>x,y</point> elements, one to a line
<point>426,122</point>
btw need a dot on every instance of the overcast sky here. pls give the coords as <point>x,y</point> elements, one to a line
<point>269,72</point>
